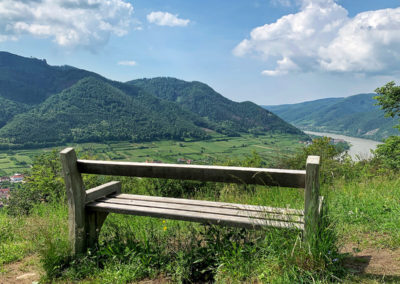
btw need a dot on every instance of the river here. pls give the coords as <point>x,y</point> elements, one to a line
<point>360,148</point>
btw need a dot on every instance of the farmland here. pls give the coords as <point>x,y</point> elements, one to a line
<point>217,149</point>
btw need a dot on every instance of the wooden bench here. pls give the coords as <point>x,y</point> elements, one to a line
<point>88,209</point>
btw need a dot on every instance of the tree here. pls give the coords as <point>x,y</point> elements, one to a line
<point>389,99</point>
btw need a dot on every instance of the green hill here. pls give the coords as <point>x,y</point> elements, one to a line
<point>93,110</point>
<point>31,80</point>
<point>230,117</point>
<point>354,116</point>
<point>45,105</point>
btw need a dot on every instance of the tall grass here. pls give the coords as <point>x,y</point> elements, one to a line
<point>362,206</point>
<point>134,248</point>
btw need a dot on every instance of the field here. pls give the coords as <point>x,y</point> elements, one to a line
<point>219,148</point>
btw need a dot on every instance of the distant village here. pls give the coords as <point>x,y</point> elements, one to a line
<point>6,183</point>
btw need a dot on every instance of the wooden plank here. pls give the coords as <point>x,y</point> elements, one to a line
<point>206,209</point>
<point>191,216</point>
<point>240,175</point>
<point>103,190</point>
<point>311,198</point>
<point>256,208</point>
<point>76,201</point>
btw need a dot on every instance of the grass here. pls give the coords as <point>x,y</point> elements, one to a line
<point>135,248</point>
<point>368,207</point>
<point>361,209</point>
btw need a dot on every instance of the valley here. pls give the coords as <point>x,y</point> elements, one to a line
<point>356,116</point>
<point>218,149</point>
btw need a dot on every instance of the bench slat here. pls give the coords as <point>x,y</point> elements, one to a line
<point>207,209</point>
<point>257,208</point>
<point>240,175</point>
<point>103,190</point>
<point>191,216</point>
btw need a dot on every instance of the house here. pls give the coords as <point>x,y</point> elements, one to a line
<point>17,178</point>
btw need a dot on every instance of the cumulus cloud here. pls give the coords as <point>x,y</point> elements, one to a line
<point>166,19</point>
<point>70,23</point>
<point>322,37</point>
<point>127,63</point>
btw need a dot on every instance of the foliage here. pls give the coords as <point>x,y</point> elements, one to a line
<point>389,152</point>
<point>329,154</point>
<point>389,100</point>
<point>43,184</point>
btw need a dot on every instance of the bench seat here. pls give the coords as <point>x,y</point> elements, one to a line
<point>209,212</point>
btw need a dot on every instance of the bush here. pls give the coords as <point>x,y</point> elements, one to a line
<point>389,153</point>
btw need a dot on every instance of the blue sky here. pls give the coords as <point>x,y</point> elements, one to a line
<point>266,51</point>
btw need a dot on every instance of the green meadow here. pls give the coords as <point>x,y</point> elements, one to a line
<point>218,148</point>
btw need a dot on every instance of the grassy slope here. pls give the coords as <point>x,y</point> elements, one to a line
<point>365,213</point>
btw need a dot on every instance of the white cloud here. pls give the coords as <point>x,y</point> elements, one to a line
<point>70,23</point>
<point>166,19</point>
<point>127,63</point>
<point>322,37</point>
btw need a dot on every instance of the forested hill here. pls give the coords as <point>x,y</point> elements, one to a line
<point>45,105</point>
<point>354,116</point>
<point>229,116</point>
<point>93,111</point>
<point>31,80</point>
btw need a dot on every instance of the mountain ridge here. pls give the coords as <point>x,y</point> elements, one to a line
<point>355,115</point>
<point>65,104</point>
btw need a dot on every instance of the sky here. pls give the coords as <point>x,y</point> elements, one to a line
<point>266,51</point>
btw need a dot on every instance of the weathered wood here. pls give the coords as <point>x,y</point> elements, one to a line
<point>240,175</point>
<point>191,216</point>
<point>88,210</point>
<point>247,207</point>
<point>76,200</point>
<point>103,190</point>
<point>207,209</point>
<point>311,198</point>
<point>94,222</point>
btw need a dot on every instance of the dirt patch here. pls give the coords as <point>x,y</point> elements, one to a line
<point>372,261</point>
<point>24,271</point>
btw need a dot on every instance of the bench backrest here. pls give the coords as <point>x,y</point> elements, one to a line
<point>239,175</point>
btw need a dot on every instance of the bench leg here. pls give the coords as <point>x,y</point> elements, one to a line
<point>311,199</point>
<point>94,222</point>
<point>76,197</point>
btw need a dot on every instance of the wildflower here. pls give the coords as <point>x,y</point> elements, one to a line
<point>163,221</point>
<point>165,228</point>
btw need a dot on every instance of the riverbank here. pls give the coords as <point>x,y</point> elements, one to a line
<point>360,148</point>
